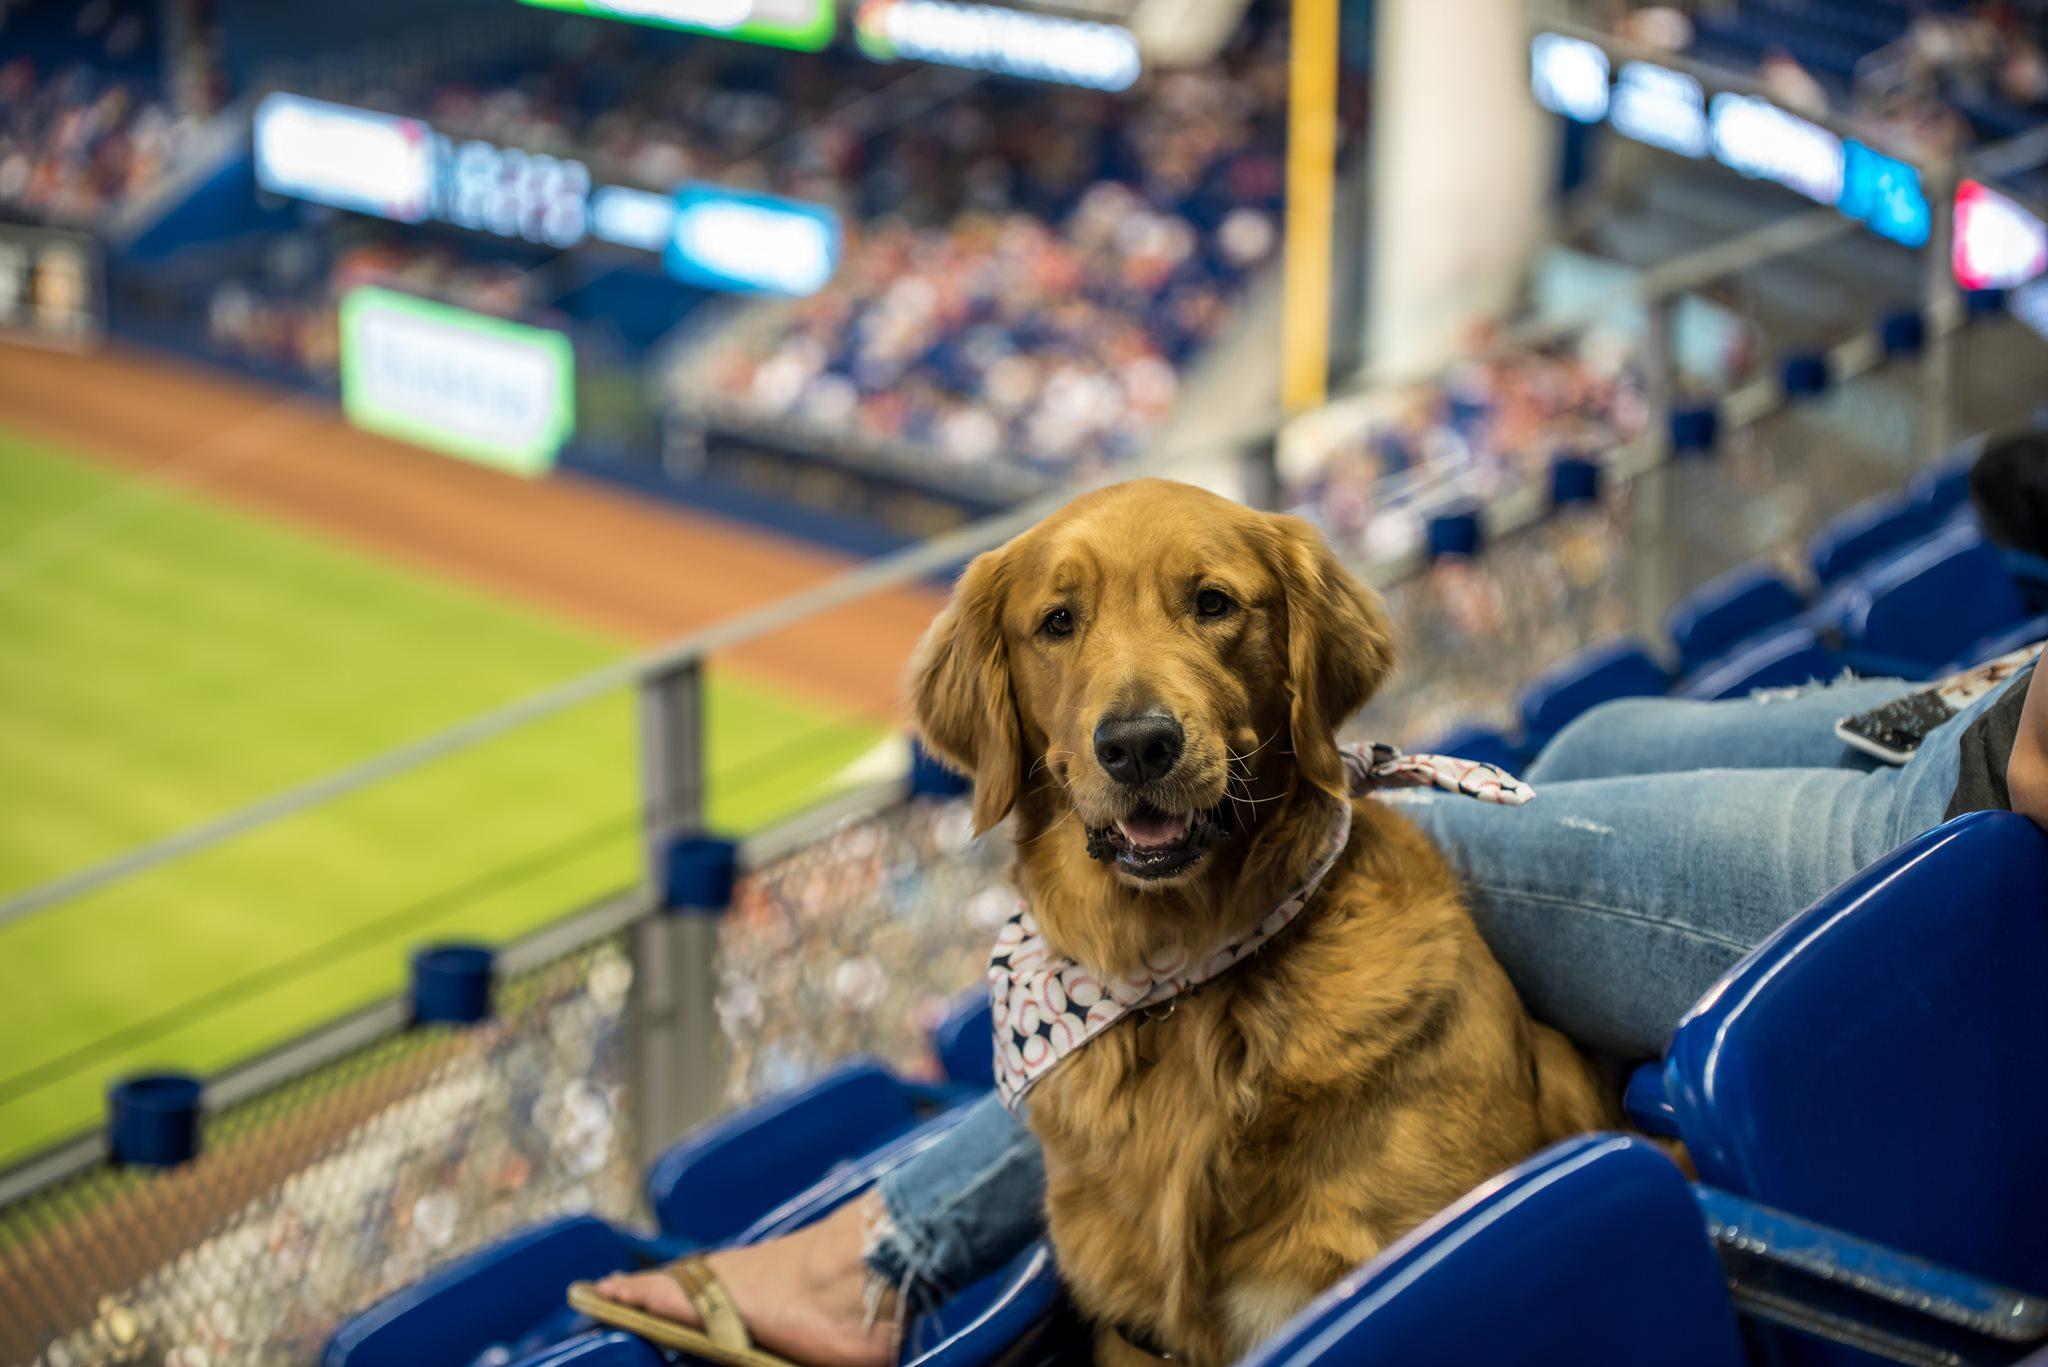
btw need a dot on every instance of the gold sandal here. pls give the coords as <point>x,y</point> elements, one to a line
<point>723,1339</point>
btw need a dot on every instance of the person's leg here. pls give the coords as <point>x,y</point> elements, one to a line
<point>1613,903</point>
<point>834,1294</point>
<point>958,1211</point>
<point>1769,729</point>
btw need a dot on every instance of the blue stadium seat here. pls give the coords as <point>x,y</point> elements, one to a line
<point>1591,1253</point>
<point>1850,541</point>
<point>722,1175</point>
<point>1944,487</point>
<point>964,1040</point>
<point>1738,606</point>
<point>1930,605</point>
<point>1784,659</point>
<point>1621,668</point>
<point>1479,743</point>
<point>507,1294</point>
<point>1880,1064</point>
<point>597,1348</point>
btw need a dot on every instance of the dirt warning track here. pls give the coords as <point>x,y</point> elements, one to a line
<point>617,563</point>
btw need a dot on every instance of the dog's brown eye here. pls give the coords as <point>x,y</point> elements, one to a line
<point>1213,603</point>
<point>1058,622</point>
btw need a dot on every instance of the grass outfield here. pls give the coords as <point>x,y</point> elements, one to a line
<point>188,659</point>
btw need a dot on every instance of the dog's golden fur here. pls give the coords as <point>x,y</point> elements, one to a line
<point>1214,1165</point>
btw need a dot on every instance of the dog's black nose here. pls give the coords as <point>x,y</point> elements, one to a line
<point>1138,749</point>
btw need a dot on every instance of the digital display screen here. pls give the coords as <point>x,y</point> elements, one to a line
<point>725,240</point>
<point>498,393</point>
<point>1569,76</point>
<point>802,24</point>
<point>1884,195</point>
<point>1998,244</point>
<point>1996,240</point>
<point>1008,42</point>
<point>1661,107</point>
<point>350,158</point>
<point>1764,142</point>
<point>402,169</point>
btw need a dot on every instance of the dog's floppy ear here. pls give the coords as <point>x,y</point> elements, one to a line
<point>1339,647</point>
<point>960,691</point>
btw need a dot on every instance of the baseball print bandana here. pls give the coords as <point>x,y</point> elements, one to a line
<point>1046,1007</point>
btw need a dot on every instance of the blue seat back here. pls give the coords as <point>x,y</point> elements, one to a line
<point>1944,486</point>
<point>1478,743</point>
<point>1619,669</point>
<point>1591,1253</point>
<point>1741,604</point>
<point>493,1297</point>
<point>1934,602</point>
<point>722,1176</point>
<point>964,1039</point>
<point>1784,659</point>
<point>1853,540</point>
<point>1880,1064</point>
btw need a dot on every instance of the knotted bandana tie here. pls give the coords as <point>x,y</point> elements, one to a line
<point>1047,1007</point>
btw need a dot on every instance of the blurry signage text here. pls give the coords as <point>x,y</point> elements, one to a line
<point>499,393</point>
<point>722,239</point>
<point>1008,42</point>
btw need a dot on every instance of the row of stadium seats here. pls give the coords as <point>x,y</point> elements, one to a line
<point>1904,585</point>
<point>1865,1146</point>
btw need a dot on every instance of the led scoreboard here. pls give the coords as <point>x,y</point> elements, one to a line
<point>802,24</point>
<point>401,169</point>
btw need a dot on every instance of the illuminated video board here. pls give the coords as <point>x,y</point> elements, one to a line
<point>404,170</point>
<point>802,24</point>
<point>1997,242</point>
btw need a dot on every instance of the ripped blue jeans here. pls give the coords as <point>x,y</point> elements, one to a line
<point>1666,839</point>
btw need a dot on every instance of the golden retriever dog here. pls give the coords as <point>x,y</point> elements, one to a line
<point>1150,682</point>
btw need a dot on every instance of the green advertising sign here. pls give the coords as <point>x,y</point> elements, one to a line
<point>802,24</point>
<point>501,394</point>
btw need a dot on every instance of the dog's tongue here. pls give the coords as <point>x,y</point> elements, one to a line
<point>1150,829</point>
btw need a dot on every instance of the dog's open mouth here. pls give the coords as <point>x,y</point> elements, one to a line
<point>1150,843</point>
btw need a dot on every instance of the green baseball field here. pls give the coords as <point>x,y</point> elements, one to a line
<point>188,658</point>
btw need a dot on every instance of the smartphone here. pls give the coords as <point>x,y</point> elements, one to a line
<point>1895,731</point>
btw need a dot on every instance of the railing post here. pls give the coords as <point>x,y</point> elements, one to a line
<point>1938,306</point>
<point>680,1052</point>
<point>1652,586</point>
<point>1261,462</point>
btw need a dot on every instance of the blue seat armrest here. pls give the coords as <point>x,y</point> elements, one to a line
<point>1648,1108</point>
<point>1871,1270</point>
<point>2030,572</point>
<point>1998,643</point>
<point>1874,664</point>
<point>719,1178</point>
<point>493,1296</point>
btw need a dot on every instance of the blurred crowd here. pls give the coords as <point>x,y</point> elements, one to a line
<point>1047,323</point>
<point>286,314</point>
<point>1494,420</point>
<point>1028,269</point>
<point>84,127</point>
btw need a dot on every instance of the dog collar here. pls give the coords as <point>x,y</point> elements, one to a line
<point>1046,1007</point>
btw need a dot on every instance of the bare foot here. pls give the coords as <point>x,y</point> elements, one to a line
<point>803,1296</point>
